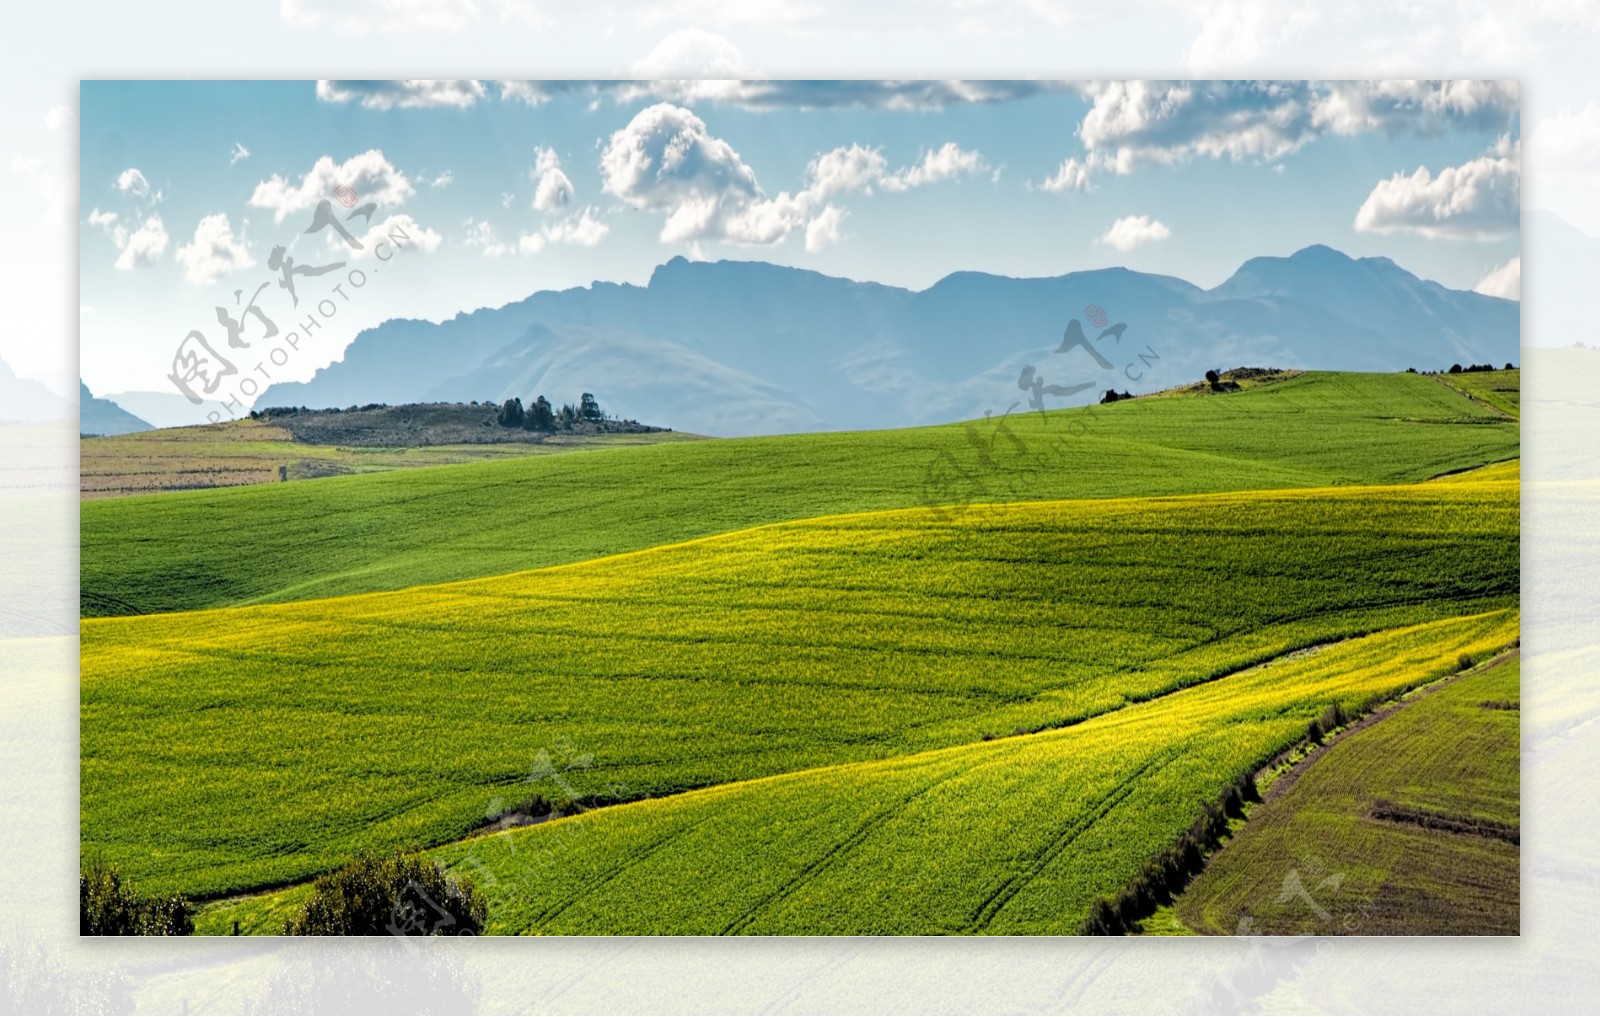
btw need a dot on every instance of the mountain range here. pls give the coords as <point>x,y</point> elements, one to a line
<point>737,347</point>
<point>101,416</point>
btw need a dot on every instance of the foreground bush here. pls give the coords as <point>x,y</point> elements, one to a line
<point>390,895</point>
<point>109,907</point>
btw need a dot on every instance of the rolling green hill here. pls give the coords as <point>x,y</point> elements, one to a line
<point>344,535</point>
<point>1016,836</point>
<point>235,749</point>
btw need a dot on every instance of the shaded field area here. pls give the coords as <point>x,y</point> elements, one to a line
<point>233,749</point>
<point>247,452</point>
<point>1014,836</point>
<point>1406,827</point>
<point>355,534</point>
<point>1500,389</point>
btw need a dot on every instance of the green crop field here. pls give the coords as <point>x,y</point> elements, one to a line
<point>230,749</point>
<point>355,534</point>
<point>959,679</point>
<point>1408,827</point>
<point>1499,389</point>
<point>1014,836</point>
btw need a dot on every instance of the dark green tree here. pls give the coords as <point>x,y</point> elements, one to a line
<point>540,416</point>
<point>390,895</point>
<point>511,414</point>
<point>589,410</point>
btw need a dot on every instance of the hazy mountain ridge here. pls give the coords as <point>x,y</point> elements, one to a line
<point>101,416</point>
<point>735,347</point>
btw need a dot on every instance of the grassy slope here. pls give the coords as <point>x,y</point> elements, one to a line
<point>1017,835</point>
<point>229,749</point>
<point>1500,389</point>
<point>342,535</point>
<point>1444,754</point>
<point>243,452</point>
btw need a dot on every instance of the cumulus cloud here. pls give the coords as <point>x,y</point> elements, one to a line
<point>666,160</point>
<point>1136,123</point>
<point>143,246</point>
<point>409,94</point>
<point>214,251</point>
<point>823,229</point>
<point>552,189</point>
<point>1478,200</point>
<point>481,235</point>
<point>948,162</point>
<point>583,230</point>
<point>843,169</point>
<point>725,86</point>
<point>1134,231</point>
<point>369,174</point>
<point>443,180</point>
<point>1072,176</point>
<point>136,246</point>
<point>1504,281</point>
<point>238,155</point>
<point>133,183</point>
<point>398,230</point>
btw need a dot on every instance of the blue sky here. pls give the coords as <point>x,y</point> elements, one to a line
<point>187,186</point>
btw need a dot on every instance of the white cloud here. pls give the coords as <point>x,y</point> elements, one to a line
<point>399,230</point>
<point>1504,281</point>
<point>359,17</point>
<point>443,180</point>
<point>133,183</point>
<point>847,168</point>
<point>1072,176</point>
<point>214,251</point>
<point>370,174</point>
<point>823,229</point>
<point>582,230</point>
<point>1135,230</point>
<point>238,155</point>
<point>144,246</point>
<point>408,94</point>
<point>530,243</point>
<point>947,162</point>
<point>552,189</point>
<point>666,161</point>
<point>1478,200</point>
<point>718,80</point>
<point>1136,123</point>
<point>481,235</point>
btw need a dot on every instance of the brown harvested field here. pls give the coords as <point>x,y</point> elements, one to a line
<point>1407,826</point>
<point>241,452</point>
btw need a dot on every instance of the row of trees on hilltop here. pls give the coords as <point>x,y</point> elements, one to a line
<point>541,416</point>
